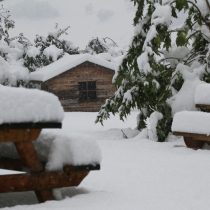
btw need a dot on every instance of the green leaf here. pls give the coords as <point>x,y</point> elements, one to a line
<point>181,4</point>
<point>181,38</point>
<point>173,12</point>
<point>167,40</point>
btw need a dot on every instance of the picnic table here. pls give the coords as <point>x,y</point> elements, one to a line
<point>46,112</point>
<point>194,126</point>
<point>36,178</point>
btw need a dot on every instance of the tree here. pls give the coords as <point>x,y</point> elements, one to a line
<point>103,45</point>
<point>48,49</point>
<point>12,71</point>
<point>152,72</point>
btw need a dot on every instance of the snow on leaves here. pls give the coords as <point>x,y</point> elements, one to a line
<point>168,33</point>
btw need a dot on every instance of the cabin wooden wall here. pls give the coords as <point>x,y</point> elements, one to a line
<point>65,86</point>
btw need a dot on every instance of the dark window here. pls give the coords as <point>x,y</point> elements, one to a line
<point>87,90</point>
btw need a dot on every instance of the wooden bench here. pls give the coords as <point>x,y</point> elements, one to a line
<point>196,140</point>
<point>35,178</point>
<point>200,122</point>
<point>203,107</point>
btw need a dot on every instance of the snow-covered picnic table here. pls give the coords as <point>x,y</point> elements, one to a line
<point>194,126</point>
<point>52,162</point>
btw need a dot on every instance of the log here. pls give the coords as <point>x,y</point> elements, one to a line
<point>203,107</point>
<point>195,136</point>
<point>193,144</point>
<point>11,164</point>
<point>193,140</point>
<point>29,156</point>
<point>18,135</point>
<point>41,181</point>
<point>17,164</point>
<point>30,125</point>
<point>30,159</point>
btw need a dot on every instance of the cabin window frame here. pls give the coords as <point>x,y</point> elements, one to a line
<point>87,91</point>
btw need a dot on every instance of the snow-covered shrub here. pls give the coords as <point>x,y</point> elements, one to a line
<point>12,70</point>
<point>104,45</point>
<point>48,49</point>
<point>168,57</point>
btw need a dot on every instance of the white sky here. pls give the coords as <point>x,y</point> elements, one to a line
<point>87,18</point>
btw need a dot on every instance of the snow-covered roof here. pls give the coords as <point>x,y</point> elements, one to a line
<point>66,63</point>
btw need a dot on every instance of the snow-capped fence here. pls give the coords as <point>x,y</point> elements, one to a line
<point>194,126</point>
<point>52,161</point>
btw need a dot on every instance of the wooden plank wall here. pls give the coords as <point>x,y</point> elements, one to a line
<point>65,86</point>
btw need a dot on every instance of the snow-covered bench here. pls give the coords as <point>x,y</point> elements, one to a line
<point>49,162</point>
<point>202,97</point>
<point>194,126</point>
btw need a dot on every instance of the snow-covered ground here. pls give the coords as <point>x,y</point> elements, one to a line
<point>136,174</point>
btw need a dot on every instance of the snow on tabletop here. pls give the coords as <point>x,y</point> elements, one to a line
<point>28,105</point>
<point>66,63</point>
<point>202,94</point>
<point>191,122</point>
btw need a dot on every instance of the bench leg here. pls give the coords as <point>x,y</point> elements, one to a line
<point>29,157</point>
<point>44,195</point>
<point>192,143</point>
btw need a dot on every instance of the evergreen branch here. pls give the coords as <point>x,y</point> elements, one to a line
<point>195,6</point>
<point>198,10</point>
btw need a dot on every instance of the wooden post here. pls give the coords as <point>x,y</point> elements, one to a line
<point>192,143</point>
<point>30,159</point>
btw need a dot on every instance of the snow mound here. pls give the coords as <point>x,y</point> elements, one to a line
<point>184,99</point>
<point>59,150</point>
<point>202,94</point>
<point>69,151</point>
<point>33,52</point>
<point>28,105</point>
<point>192,122</point>
<point>52,52</point>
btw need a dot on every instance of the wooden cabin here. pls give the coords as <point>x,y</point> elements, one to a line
<point>81,82</point>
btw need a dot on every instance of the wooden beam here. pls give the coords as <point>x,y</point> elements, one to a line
<point>40,181</point>
<point>193,143</point>
<point>19,135</point>
<point>29,156</point>
<point>203,107</point>
<point>17,164</point>
<point>29,125</point>
<point>194,136</point>
<point>11,164</point>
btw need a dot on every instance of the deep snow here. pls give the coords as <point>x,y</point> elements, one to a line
<point>136,174</point>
